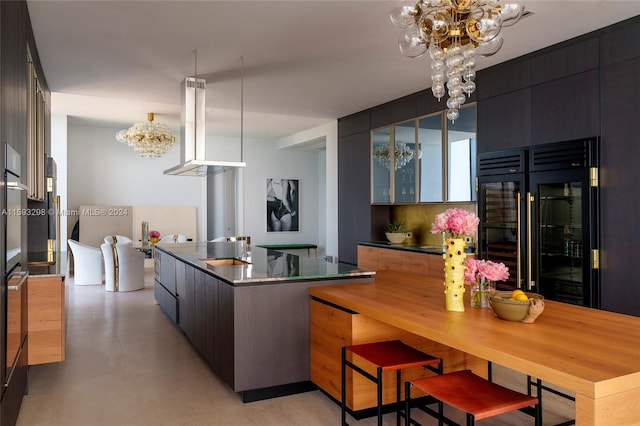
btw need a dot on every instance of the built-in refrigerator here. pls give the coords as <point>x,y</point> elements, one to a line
<point>538,209</point>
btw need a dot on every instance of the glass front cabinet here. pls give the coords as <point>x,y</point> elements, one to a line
<point>421,160</point>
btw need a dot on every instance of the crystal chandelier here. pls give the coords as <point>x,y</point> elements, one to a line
<point>453,32</point>
<point>402,155</point>
<point>150,140</point>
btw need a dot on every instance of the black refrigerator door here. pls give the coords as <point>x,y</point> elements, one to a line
<point>564,236</point>
<point>501,238</point>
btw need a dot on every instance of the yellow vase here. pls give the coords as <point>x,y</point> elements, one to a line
<point>454,256</point>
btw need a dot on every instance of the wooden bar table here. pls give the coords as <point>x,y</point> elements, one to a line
<point>594,353</point>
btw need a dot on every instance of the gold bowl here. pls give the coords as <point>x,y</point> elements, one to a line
<point>514,310</point>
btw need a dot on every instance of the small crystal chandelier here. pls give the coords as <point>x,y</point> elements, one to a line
<point>453,32</point>
<point>150,140</point>
<point>402,155</point>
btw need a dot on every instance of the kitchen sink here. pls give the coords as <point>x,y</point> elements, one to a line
<point>225,262</point>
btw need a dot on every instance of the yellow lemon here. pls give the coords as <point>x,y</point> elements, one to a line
<point>516,292</point>
<point>522,297</point>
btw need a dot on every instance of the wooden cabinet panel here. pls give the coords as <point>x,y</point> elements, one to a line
<point>416,262</point>
<point>512,108</point>
<point>389,259</point>
<point>167,275</point>
<point>377,259</point>
<point>226,332</point>
<point>381,115</point>
<point>354,216</point>
<point>167,301</point>
<point>565,60</point>
<point>504,78</point>
<point>577,116</point>
<point>355,123</point>
<point>46,319</point>
<point>367,257</point>
<point>619,151</point>
<point>330,330</point>
<point>616,45</point>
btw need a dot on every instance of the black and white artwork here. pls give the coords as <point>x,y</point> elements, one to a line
<point>283,214</point>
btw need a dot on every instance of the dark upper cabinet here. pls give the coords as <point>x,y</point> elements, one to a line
<point>504,121</point>
<point>564,60</point>
<point>381,115</point>
<point>620,42</point>
<point>566,108</point>
<point>503,78</point>
<point>355,123</point>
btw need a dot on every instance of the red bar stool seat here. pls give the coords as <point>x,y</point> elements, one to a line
<point>467,392</point>
<point>392,355</point>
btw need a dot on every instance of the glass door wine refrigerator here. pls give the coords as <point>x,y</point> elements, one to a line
<point>538,211</point>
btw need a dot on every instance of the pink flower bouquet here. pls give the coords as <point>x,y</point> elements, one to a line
<point>154,234</point>
<point>457,221</point>
<point>492,271</point>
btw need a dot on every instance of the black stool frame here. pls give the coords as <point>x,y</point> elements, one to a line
<point>378,381</point>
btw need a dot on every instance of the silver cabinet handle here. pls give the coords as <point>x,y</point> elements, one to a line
<point>17,186</point>
<point>16,287</point>
<point>13,368</point>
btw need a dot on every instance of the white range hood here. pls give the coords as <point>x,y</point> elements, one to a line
<point>192,134</point>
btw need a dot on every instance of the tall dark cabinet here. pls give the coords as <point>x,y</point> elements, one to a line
<point>15,35</point>
<point>354,218</point>
<point>620,195</point>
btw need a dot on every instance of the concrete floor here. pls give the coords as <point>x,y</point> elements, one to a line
<point>126,365</point>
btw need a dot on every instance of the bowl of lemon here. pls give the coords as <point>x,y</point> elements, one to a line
<point>516,305</point>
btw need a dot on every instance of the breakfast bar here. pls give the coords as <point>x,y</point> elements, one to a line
<point>559,347</point>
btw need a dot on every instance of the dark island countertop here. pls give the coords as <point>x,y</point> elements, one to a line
<point>262,266</point>
<point>410,247</point>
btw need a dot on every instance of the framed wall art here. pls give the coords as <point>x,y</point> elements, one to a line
<point>283,213</point>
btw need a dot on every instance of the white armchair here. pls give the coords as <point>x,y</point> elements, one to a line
<point>121,239</point>
<point>109,266</point>
<point>130,268</point>
<point>174,238</point>
<point>87,264</point>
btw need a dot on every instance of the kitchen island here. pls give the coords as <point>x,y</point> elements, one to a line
<point>247,313</point>
<point>590,352</point>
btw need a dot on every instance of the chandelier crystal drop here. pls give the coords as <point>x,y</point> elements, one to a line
<point>402,155</point>
<point>150,140</point>
<point>453,32</point>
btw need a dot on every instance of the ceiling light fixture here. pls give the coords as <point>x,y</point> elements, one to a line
<point>453,32</point>
<point>402,155</point>
<point>150,140</point>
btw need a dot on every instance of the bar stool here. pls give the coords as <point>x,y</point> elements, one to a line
<point>467,392</point>
<point>392,355</point>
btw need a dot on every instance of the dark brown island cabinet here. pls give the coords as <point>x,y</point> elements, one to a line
<point>252,332</point>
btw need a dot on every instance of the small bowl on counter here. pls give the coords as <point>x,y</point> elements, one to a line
<point>396,237</point>
<point>507,308</point>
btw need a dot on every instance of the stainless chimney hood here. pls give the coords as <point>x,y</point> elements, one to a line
<point>192,134</point>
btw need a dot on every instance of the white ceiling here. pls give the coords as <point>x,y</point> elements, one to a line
<point>305,62</point>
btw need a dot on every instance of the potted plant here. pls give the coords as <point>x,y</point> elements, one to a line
<point>395,232</point>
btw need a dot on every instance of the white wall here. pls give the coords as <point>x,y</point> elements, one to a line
<point>59,154</point>
<point>324,139</point>
<point>264,161</point>
<point>102,171</point>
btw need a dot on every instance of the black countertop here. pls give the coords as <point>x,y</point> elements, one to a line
<point>263,266</point>
<point>405,247</point>
<point>411,247</point>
